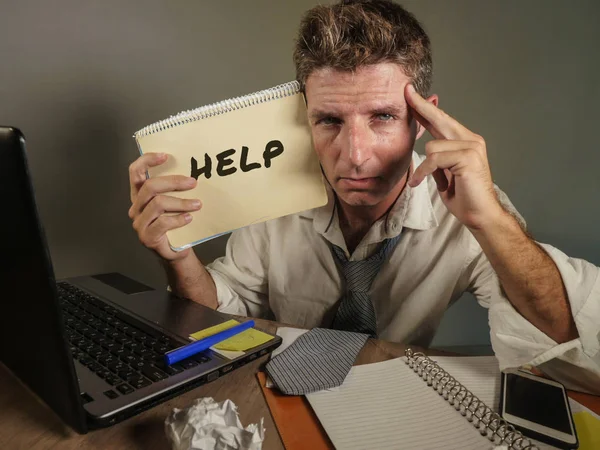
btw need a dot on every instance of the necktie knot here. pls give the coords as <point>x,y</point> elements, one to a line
<point>359,275</point>
<point>356,312</point>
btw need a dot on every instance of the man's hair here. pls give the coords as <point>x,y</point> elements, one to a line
<point>354,33</point>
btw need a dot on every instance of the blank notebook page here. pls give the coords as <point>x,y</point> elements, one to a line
<point>386,405</point>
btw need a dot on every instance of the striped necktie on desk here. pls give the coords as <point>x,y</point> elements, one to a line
<point>356,312</point>
<point>319,359</point>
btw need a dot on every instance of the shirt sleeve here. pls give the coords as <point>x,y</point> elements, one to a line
<point>517,342</point>
<point>241,275</point>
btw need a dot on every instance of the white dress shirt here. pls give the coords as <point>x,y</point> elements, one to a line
<point>284,269</point>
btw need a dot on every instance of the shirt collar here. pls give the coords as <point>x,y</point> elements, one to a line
<point>413,209</point>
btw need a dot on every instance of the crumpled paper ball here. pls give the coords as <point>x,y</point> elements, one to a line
<point>208,425</point>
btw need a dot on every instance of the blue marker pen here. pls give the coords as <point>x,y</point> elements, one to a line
<point>192,348</point>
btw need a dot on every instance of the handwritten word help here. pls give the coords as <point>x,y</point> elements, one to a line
<point>225,162</point>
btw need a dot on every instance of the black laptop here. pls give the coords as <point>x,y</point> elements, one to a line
<point>90,347</point>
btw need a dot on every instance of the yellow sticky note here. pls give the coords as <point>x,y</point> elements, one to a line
<point>588,430</point>
<point>240,342</point>
<point>213,330</point>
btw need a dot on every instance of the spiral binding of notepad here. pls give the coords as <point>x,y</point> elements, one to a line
<point>487,422</point>
<point>222,107</point>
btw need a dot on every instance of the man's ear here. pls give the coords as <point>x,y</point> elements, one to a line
<point>420,128</point>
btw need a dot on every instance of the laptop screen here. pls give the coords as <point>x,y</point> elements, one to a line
<point>31,337</point>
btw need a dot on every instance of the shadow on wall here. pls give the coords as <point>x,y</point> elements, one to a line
<point>83,194</point>
<point>465,323</point>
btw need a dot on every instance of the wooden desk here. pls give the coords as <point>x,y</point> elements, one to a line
<point>25,423</point>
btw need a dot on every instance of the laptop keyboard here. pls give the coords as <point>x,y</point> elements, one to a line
<point>126,353</point>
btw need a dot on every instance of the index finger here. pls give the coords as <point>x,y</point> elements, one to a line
<point>138,169</point>
<point>437,122</point>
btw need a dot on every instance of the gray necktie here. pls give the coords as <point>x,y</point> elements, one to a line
<point>356,312</point>
<point>319,359</point>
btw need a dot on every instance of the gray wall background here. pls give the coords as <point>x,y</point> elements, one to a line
<point>79,78</point>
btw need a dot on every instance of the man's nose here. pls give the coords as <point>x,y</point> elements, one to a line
<point>358,144</point>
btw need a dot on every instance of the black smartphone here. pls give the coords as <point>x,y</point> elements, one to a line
<point>538,408</point>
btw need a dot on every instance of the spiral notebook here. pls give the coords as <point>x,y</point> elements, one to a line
<point>252,156</point>
<point>387,406</point>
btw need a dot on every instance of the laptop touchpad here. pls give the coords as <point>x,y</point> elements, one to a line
<point>122,283</point>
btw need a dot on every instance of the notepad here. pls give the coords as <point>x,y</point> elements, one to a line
<point>240,342</point>
<point>480,373</point>
<point>386,405</point>
<point>251,155</point>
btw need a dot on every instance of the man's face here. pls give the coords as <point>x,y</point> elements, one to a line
<point>362,131</point>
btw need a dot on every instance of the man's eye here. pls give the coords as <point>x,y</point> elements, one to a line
<point>385,117</point>
<point>328,121</point>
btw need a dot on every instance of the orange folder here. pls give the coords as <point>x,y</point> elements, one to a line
<point>297,424</point>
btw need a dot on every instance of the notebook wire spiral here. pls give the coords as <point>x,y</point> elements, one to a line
<point>222,107</point>
<point>488,422</point>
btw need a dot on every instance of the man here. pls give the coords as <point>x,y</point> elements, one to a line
<point>434,226</point>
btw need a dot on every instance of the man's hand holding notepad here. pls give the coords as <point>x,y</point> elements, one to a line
<point>252,157</point>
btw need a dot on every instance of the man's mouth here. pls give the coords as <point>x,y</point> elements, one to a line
<point>358,183</point>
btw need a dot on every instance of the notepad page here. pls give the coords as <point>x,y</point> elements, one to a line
<point>479,374</point>
<point>386,405</point>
